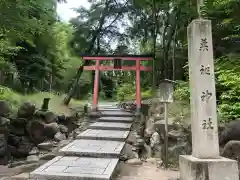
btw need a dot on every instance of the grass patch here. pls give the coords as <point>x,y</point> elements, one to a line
<point>15,99</point>
<point>56,103</point>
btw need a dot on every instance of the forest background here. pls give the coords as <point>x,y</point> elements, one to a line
<point>41,53</point>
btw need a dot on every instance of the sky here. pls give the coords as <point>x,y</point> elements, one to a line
<point>65,9</point>
<point>66,12</point>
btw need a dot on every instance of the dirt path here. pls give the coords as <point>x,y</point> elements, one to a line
<point>146,171</point>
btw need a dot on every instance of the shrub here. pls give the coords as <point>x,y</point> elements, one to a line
<point>181,92</point>
<point>229,101</point>
<point>11,97</point>
<point>125,92</point>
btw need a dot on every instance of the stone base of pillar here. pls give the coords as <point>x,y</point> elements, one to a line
<point>138,112</point>
<point>192,168</point>
<point>94,113</point>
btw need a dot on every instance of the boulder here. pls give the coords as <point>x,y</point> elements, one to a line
<point>132,138</point>
<point>24,148</point>
<point>48,145</point>
<point>63,128</point>
<point>48,156</point>
<point>36,130</point>
<point>175,134</point>
<point>4,109</point>
<point>232,150</point>
<point>128,152</point>
<point>158,117</point>
<point>59,136</point>
<point>149,130</point>
<point>160,125</point>
<point>34,151</point>
<point>32,159</point>
<point>135,161</point>
<point>160,108</point>
<point>17,127</point>
<point>70,123</point>
<point>156,145</point>
<point>176,150</point>
<point>51,129</point>
<point>61,118</point>
<point>139,124</point>
<point>4,152</point>
<point>147,152</point>
<point>14,140</point>
<point>140,142</point>
<point>155,139</point>
<point>39,114</point>
<point>26,110</point>
<point>50,117</point>
<point>152,109</point>
<point>4,121</point>
<point>3,146</point>
<point>231,132</point>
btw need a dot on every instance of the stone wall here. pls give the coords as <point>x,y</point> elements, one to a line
<point>24,135</point>
<point>147,137</point>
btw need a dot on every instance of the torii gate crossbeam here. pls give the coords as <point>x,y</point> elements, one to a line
<point>117,60</point>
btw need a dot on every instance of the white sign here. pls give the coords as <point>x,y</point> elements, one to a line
<point>165,91</point>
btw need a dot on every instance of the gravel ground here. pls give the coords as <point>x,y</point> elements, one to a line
<point>146,171</point>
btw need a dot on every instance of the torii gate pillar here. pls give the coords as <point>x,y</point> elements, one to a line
<point>98,67</point>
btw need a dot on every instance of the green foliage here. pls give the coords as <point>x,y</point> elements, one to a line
<point>12,98</point>
<point>227,88</point>
<point>38,52</point>
<point>181,92</point>
<point>147,94</point>
<point>35,50</point>
<point>228,77</point>
<point>125,92</point>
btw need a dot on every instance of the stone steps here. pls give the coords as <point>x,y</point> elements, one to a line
<point>94,154</point>
<point>110,126</point>
<point>98,134</point>
<point>93,148</point>
<point>116,113</point>
<point>77,168</point>
<point>117,119</point>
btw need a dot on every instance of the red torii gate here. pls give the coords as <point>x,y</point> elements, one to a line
<point>117,67</point>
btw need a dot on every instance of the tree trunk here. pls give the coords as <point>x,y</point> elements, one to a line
<point>73,89</point>
<point>154,47</point>
<point>174,54</point>
<point>96,33</point>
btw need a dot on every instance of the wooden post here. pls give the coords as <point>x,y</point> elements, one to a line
<point>166,97</point>
<point>96,86</point>
<point>166,134</point>
<point>138,87</point>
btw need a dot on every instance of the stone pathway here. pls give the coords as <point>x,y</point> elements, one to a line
<point>95,152</point>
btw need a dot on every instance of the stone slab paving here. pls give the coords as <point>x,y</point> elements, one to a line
<point>116,113</point>
<point>76,168</point>
<point>110,126</point>
<point>109,109</point>
<point>111,135</point>
<point>94,154</point>
<point>116,119</point>
<point>93,148</point>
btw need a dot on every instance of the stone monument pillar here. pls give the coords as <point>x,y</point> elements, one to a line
<point>205,162</point>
